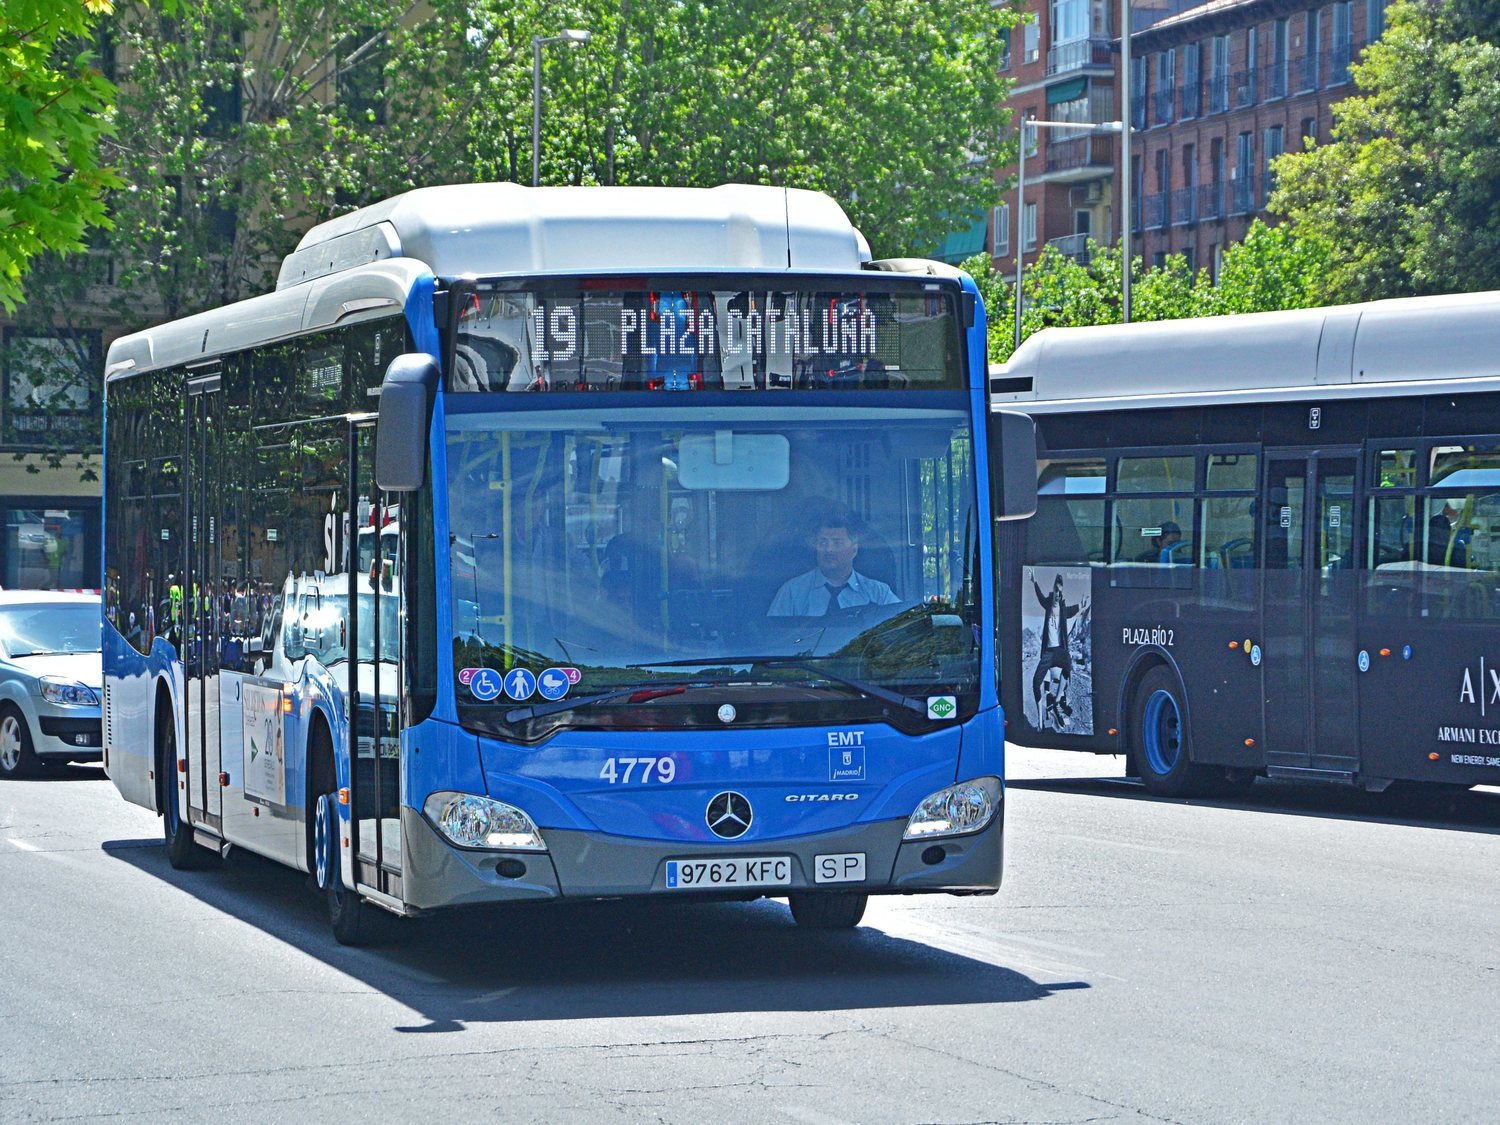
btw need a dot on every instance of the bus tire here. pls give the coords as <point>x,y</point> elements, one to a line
<point>1160,739</point>
<point>828,910</point>
<point>182,853</point>
<point>350,916</point>
<point>17,755</point>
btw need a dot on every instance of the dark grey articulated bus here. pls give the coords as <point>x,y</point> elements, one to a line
<point>1265,544</point>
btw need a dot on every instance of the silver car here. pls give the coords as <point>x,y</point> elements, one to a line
<point>50,677</point>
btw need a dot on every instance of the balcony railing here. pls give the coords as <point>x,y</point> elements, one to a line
<point>1275,76</point>
<point>1218,93</point>
<point>1244,88</point>
<point>1076,55</point>
<point>1162,106</point>
<point>1190,100</point>
<point>1080,152</point>
<point>1211,200</point>
<point>1075,246</point>
<point>1242,197</point>
<point>1184,206</point>
<point>1156,210</point>
<point>1338,61</point>
<point>1305,72</point>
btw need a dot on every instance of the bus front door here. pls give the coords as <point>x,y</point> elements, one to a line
<point>1308,664</point>
<point>375,697</point>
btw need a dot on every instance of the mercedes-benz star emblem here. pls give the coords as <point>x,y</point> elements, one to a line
<point>729,815</point>
<point>727,713</point>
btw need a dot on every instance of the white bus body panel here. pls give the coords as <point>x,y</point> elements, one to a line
<point>1414,345</point>
<point>130,736</point>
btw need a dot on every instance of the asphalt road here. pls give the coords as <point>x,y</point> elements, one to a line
<point>1299,955</point>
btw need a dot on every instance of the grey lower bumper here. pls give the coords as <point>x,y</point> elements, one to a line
<point>593,865</point>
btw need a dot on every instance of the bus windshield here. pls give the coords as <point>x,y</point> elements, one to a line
<point>691,546</point>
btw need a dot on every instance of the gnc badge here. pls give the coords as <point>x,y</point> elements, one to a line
<point>941,706</point>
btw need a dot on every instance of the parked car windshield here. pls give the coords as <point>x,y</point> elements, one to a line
<point>37,630</point>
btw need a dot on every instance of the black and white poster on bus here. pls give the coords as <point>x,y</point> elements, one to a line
<point>1057,660</point>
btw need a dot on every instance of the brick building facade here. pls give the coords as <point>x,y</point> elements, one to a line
<point>1218,90</point>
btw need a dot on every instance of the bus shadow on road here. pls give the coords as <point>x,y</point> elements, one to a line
<point>1475,810</point>
<point>599,960</point>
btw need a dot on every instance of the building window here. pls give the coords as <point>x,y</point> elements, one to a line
<point>50,548</point>
<point>1188,256</point>
<point>361,76</point>
<point>1004,36</point>
<point>1374,19</point>
<point>1274,144</point>
<point>1166,87</point>
<point>1341,51</point>
<point>1244,174</point>
<point>1218,76</point>
<point>1309,132</point>
<point>50,400</point>
<point>1000,224</point>
<point>1028,131</point>
<point>1276,73</point>
<point>1192,86</point>
<point>1312,52</point>
<point>1028,227</point>
<point>1137,93</point>
<point>1070,20</point>
<point>1032,40</point>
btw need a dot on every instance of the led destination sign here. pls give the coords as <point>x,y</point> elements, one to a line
<point>705,339</point>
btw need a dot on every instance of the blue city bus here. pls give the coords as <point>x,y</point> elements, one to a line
<point>509,551</point>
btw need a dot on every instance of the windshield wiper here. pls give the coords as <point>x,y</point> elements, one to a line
<point>638,694</point>
<point>864,687</point>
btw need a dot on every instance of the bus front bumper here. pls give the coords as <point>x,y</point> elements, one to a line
<point>585,865</point>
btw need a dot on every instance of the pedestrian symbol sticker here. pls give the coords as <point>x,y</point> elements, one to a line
<point>553,683</point>
<point>484,684</point>
<point>520,684</point>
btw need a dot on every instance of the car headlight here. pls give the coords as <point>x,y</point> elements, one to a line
<point>471,821</point>
<point>966,807</point>
<point>55,690</point>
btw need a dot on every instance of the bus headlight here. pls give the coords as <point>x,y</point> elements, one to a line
<point>55,690</point>
<point>966,807</point>
<point>471,821</point>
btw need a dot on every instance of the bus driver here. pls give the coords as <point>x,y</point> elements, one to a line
<point>834,583</point>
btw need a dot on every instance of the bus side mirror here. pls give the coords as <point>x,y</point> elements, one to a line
<point>406,396</point>
<point>1012,441</point>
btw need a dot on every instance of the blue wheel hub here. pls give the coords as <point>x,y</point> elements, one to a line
<point>323,841</point>
<point>1161,733</point>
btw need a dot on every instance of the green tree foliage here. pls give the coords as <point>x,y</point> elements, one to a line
<point>54,109</point>
<point>1406,196</point>
<point>1271,269</point>
<point>242,122</point>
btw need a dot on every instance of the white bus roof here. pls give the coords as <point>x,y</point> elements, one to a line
<point>486,229</point>
<point>1414,345</point>
<point>362,265</point>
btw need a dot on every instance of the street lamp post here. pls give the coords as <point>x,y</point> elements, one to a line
<point>1105,127</point>
<point>1127,114</point>
<point>571,35</point>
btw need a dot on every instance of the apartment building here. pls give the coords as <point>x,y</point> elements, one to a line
<point>1217,91</point>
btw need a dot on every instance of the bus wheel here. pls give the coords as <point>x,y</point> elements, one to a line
<point>1160,737</point>
<point>182,853</point>
<point>828,910</point>
<point>17,757</point>
<point>349,914</point>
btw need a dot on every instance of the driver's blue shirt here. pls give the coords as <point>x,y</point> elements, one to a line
<point>807,595</point>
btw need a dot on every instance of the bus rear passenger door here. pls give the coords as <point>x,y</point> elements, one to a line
<point>197,598</point>
<point>1307,663</point>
